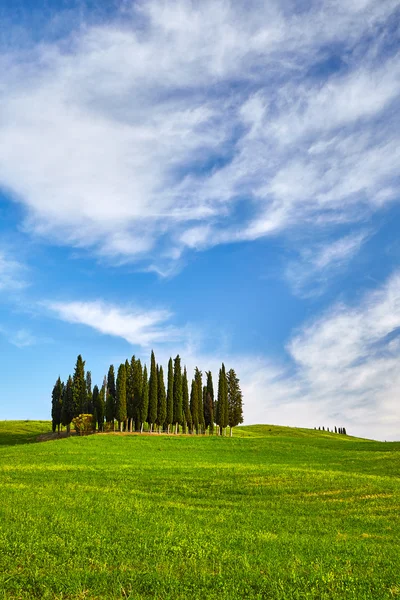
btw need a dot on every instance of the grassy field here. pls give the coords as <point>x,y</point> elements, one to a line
<point>272,513</point>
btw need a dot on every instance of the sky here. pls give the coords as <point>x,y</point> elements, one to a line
<point>218,179</point>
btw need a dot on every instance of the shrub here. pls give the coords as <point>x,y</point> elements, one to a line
<point>84,424</point>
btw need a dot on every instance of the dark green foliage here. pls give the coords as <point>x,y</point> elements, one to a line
<point>129,392</point>
<point>121,395</point>
<point>178,395</point>
<point>162,398</point>
<point>95,403</point>
<point>79,387</point>
<point>153,392</point>
<point>185,402</point>
<point>111,396</point>
<point>144,403</point>
<point>222,415</point>
<point>235,400</point>
<point>194,405</point>
<point>67,409</point>
<point>208,403</point>
<point>199,382</point>
<point>101,406</point>
<point>170,395</point>
<point>89,395</point>
<point>137,375</point>
<point>56,404</point>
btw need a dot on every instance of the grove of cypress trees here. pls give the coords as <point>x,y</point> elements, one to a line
<point>79,387</point>
<point>222,415</point>
<point>185,402</point>
<point>153,392</point>
<point>144,403</point>
<point>194,405</point>
<point>162,399</point>
<point>170,396</point>
<point>67,409</point>
<point>121,396</point>
<point>235,400</point>
<point>178,396</point>
<point>111,397</point>
<point>56,404</point>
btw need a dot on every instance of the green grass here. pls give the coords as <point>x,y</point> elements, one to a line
<point>271,513</point>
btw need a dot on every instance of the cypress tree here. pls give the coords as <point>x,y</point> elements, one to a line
<point>88,409</point>
<point>178,394</point>
<point>137,374</point>
<point>111,397</point>
<point>56,404</point>
<point>144,404</point>
<point>199,382</point>
<point>194,405</point>
<point>101,405</point>
<point>222,401</point>
<point>67,409</point>
<point>170,396</point>
<point>162,399</point>
<point>209,404</point>
<point>185,402</point>
<point>153,392</point>
<point>79,387</point>
<point>235,400</point>
<point>95,403</point>
<point>121,396</point>
<point>129,394</point>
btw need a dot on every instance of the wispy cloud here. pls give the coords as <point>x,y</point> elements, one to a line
<point>136,326</point>
<point>320,263</point>
<point>12,273</point>
<point>136,141</point>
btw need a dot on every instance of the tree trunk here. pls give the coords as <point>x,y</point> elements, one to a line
<point>231,432</point>
<point>141,427</point>
<point>68,428</point>
<point>151,427</point>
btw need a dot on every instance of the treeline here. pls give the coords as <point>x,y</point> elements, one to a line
<point>136,399</point>
<point>341,430</point>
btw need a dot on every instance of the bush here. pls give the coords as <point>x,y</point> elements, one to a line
<point>84,424</point>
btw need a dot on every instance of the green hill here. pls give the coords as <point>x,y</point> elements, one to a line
<point>274,512</point>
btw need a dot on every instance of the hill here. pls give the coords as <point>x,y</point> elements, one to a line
<point>271,513</point>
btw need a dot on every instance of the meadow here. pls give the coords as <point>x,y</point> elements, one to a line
<point>273,512</point>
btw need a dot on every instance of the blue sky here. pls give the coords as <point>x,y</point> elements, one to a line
<point>218,179</point>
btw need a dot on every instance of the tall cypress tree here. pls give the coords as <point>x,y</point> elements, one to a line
<point>129,394</point>
<point>178,396</point>
<point>121,396</point>
<point>95,403</point>
<point>162,398</point>
<point>56,404</point>
<point>111,397</point>
<point>185,401</point>
<point>194,405</point>
<point>153,392</point>
<point>208,401</point>
<point>79,387</point>
<point>222,416</point>
<point>235,400</point>
<point>144,404</point>
<point>67,409</point>
<point>137,374</point>
<point>101,405</point>
<point>170,396</point>
<point>88,409</point>
<point>199,383</point>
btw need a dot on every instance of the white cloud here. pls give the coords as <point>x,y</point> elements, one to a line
<point>320,263</point>
<point>135,140</point>
<point>11,273</point>
<point>139,327</point>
